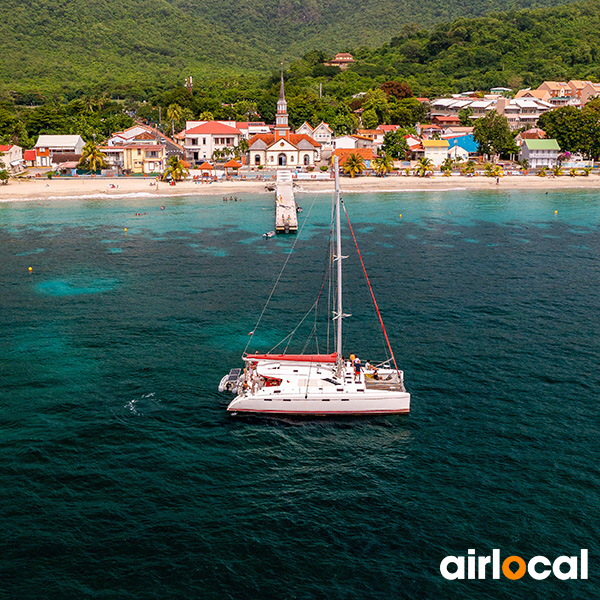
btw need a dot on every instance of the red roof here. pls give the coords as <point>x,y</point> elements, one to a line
<point>29,155</point>
<point>6,148</point>
<point>344,153</point>
<point>206,166</point>
<point>293,138</point>
<point>214,127</point>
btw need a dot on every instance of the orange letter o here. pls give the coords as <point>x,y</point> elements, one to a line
<point>519,572</point>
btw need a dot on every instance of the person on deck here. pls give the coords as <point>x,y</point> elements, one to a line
<point>357,370</point>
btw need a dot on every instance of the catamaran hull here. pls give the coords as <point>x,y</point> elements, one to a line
<point>367,405</point>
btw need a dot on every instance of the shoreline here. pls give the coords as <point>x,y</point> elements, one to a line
<point>98,188</point>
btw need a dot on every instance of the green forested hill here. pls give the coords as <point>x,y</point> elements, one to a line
<point>64,45</point>
<point>138,45</point>
<point>514,49</point>
<point>293,27</point>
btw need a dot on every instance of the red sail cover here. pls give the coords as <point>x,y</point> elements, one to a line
<point>320,358</point>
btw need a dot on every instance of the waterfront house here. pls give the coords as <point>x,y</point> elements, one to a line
<point>137,159</point>
<point>202,140</point>
<point>540,153</point>
<point>142,134</point>
<point>48,145</point>
<point>343,153</point>
<point>463,146</point>
<point>12,157</point>
<point>436,151</point>
<point>29,158</point>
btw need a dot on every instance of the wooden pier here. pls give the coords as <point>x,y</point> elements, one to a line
<point>286,217</point>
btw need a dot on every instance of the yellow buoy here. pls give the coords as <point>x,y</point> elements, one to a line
<point>400,216</point>
<point>125,229</point>
<point>555,212</point>
<point>30,269</point>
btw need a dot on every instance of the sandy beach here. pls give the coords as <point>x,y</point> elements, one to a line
<point>57,188</point>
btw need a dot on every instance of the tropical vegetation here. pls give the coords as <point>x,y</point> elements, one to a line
<point>354,165</point>
<point>175,169</point>
<point>92,158</point>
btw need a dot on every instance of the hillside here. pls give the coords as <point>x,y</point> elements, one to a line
<point>63,45</point>
<point>293,27</point>
<point>134,46</point>
<point>513,49</point>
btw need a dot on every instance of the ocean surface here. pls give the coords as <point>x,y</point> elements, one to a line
<point>122,475</point>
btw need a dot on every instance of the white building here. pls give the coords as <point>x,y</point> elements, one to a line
<point>322,133</point>
<point>436,151</point>
<point>540,153</point>
<point>12,157</point>
<point>49,145</point>
<point>283,148</point>
<point>202,140</point>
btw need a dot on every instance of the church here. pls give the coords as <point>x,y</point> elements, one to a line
<point>282,148</point>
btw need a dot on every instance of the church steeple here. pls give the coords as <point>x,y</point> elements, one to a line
<point>282,128</point>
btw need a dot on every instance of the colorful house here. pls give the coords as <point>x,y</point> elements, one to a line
<point>436,151</point>
<point>540,153</point>
<point>49,145</point>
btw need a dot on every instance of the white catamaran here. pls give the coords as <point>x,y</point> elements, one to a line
<point>318,384</point>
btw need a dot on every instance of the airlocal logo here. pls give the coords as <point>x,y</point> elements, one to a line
<point>514,567</point>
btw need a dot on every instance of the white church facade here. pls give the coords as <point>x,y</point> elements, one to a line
<point>283,148</point>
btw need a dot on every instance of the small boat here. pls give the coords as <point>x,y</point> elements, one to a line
<point>319,384</point>
<point>269,234</point>
<point>298,208</point>
<point>230,382</point>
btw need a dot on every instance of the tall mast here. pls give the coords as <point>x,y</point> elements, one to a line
<point>338,238</point>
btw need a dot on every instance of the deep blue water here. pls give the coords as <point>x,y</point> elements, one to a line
<point>122,476</point>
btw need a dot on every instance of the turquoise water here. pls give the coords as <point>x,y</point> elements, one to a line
<point>122,476</point>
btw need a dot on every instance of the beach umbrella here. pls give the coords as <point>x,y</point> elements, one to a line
<point>232,164</point>
<point>206,167</point>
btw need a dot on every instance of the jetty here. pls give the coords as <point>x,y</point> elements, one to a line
<point>286,217</point>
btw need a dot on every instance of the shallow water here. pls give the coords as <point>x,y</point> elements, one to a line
<point>122,476</point>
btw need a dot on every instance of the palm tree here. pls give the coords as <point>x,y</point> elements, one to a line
<point>383,164</point>
<point>447,166</point>
<point>217,154</point>
<point>241,148</point>
<point>543,172</point>
<point>488,169</point>
<point>407,172</point>
<point>424,166</point>
<point>497,171</point>
<point>174,113</point>
<point>557,171</point>
<point>468,168</point>
<point>175,168</point>
<point>92,158</point>
<point>586,171</point>
<point>354,165</point>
